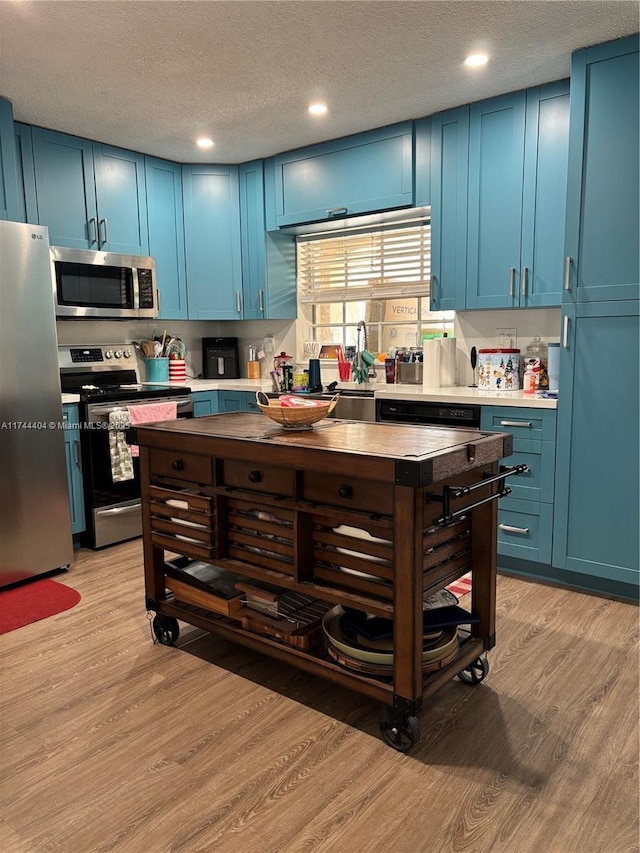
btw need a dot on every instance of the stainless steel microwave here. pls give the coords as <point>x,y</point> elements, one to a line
<point>103,284</point>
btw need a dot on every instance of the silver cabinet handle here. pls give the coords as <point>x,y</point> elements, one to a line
<point>261,301</point>
<point>525,281</point>
<point>516,423</point>
<point>96,232</point>
<point>336,211</point>
<point>512,281</point>
<point>120,510</point>
<point>522,530</point>
<point>238,302</point>
<point>105,228</point>
<point>565,332</point>
<point>567,273</point>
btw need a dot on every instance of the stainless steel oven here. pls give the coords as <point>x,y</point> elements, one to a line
<point>106,380</point>
<point>103,284</point>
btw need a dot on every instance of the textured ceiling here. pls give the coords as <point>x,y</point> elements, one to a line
<point>152,76</point>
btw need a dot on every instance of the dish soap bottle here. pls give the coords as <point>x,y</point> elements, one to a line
<point>536,360</point>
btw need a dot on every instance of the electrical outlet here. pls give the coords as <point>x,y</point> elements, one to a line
<point>507,338</point>
<point>268,345</point>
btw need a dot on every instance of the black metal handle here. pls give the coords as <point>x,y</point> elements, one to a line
<point>450,493</point>
<point>255,477</point>
<point>345,491</point>
<point>177,465</point>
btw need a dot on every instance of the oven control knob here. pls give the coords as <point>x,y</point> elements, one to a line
<point>118,353</point>
<point>108,353</point>
<point>127,353</point>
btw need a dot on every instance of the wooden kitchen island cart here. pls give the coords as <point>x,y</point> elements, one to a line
<point>362,518</point>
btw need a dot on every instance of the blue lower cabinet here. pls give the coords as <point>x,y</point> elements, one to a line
<point>525,529</point>
<point>232,401</point>
<point>251,404</point>
<point>74,467</point>
<point>205,403</point>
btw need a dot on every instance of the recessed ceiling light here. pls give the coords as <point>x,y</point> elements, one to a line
<point>476,60</point>
<point>318,109</point>
<point>204,142</point>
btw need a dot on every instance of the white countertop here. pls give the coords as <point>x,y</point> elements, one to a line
<point>455,394</point>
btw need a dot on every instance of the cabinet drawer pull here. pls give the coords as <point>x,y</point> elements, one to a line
<point>238,303</point>
<point>567,273</point>
<point>510,529</point>
<point>105,224</point>
<point>178,465</point>
<point>345,491</point>
<point>337,211</point>
<point>516,423</point>
<point>512,281</point>
<point>76,446</point>
<point>524,281</point>
<point>94,222</point>
<point>261,301</point>
<point>255,477</point>
<point>565,332</point>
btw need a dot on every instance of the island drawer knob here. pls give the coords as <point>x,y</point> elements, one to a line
<point>345,491</point>
<point>255,477</point>
<point>178,465</point>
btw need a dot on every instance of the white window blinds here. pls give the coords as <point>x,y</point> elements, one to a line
<point>384,264</point>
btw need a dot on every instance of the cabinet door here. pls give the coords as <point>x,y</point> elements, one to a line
<point>545,193</point>
<point>496,164</point>
<point>166,235</point>
<point>205,403</point>
<point>232,401</point>
<point>212,242</point>
<point>602,199</point>
<point>365,173</point>
<point>449,188</point>
<point>74,468</point>
<point>422,165</point>
<point>268,259</point>
<point>596,515</point>
<point>9,195</point>
<point>65,195</point>
<point>121,200</point>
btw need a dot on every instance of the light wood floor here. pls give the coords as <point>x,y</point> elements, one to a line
<point>111,743</point>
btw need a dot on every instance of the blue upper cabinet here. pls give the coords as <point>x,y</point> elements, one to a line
<point>422,162</point>
<point>166,235</point>
<point>449,187</point>
<point>517,190</point>
<point>602,200</point>
<point>212,242</point>
<point>9,194</point>
<point>90,196</point>
<point>360,174</point>
<point>268,259</point>
<point>596,506</point>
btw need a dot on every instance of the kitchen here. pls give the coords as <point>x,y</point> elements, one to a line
<point>472,328</point>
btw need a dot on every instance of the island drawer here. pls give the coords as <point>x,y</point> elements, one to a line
<point>258,477</point>
<point>181,466</point>
<point>349,492</point>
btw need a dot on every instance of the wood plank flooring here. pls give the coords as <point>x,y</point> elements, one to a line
<point>111,743</point>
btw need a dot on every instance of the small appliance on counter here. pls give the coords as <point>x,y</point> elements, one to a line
<point>220,358</point>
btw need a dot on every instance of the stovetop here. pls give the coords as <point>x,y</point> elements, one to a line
<point>117,393</point>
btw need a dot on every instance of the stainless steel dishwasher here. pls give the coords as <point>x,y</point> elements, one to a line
<point>427,413</point>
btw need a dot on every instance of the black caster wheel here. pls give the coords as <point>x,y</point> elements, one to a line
<point>477,672</point>
<point>399,731</point>
<point>166,629</point>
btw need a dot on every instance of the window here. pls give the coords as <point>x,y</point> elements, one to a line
<point>382,277</point>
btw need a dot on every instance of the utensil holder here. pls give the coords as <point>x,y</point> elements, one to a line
<point>157,369</point>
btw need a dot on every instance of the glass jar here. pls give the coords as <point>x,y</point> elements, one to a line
<point>536,359</point>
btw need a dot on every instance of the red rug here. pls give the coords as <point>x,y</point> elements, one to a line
<point>34,600</point>
<point>462,586</point>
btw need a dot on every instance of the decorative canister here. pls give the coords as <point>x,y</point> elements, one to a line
<point>177,370</point>
<point>499,369</point>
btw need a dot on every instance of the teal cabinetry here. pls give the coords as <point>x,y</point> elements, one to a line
<point>74,466</point>
<point>91,196</point>
<point>525,518</point>
<point>212,242</point>
<point>449,188</point>
<point>205,403</point>
<point>232,401</point>
<point>268,259</point>
<point>422,162</point>
<point>597,499</point>
<point>9,193</point>
<point>518,146</point>
<point>602,247</point>
<point>360,174</point>
<point>166,235</point>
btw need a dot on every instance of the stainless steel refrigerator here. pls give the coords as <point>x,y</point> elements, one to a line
<point>35,519</point>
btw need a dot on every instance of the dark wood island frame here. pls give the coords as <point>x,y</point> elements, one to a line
<point>267,503</point>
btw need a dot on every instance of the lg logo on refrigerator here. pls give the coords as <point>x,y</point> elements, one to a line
<point>36,236</point>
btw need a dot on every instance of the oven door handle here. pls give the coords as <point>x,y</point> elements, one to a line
<point>182,403</point>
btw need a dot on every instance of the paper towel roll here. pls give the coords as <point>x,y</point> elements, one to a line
<point>448,361</point>
<point>431,357</point>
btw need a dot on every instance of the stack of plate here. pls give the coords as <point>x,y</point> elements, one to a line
<point>351,645</point>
